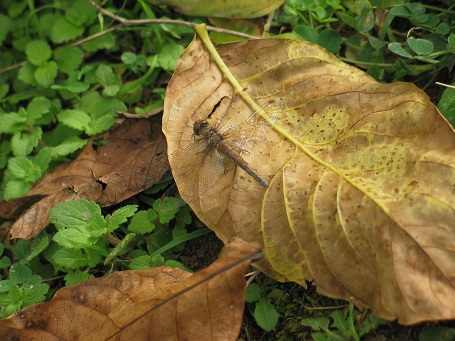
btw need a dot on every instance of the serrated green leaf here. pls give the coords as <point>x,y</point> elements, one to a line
<point>16,188</point>
<point>81,215</point>
<point>143,222</point>
<point>43,158</point>
<point>32,281</point>
<point>145,262</point>
<point>176,264</point>
<point>27,74</point>
<point>168,56</point>
<point>106,41</point>
<point>119,217</point>
<point>11,123</point>
<point>19,273</point>
<point>5,27</point>
<point>183,216</point>
<point>97,106</point>
<point>81,13</point>
<point>369,323</point>
<point>95,256</point>
<point>100,125</point>
<point>320,323</point>
<point>340,321</point>
<point>76,119</point>
<point>48,20</point>
<point>37,107</point>
<point>72,238</point>
<point>166,208</point>
<point>68,58</point>
<point>46,73</point>
<point>266,315</point>
<point>73,84</point>
<point>70,258</point>
<point>105,75</point>
<point>35,295</point>
<point>4,88</point>
<point>63,31</point>
<point>76,277</point>
<point>22,144</point>
<point>111,90</point>
<point>21,249</point>
<point>24,169</point>
<point>38,52</point>
<point>69,145</point>
<point>15,294</point>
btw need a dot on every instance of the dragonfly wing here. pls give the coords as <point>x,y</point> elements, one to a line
<point>212,169</point>
<point>240,126</point>
<point>186,163</point>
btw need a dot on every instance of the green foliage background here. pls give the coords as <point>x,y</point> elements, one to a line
<point>66,70</point>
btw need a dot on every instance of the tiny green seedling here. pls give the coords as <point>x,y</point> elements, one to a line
<point>342,327</point>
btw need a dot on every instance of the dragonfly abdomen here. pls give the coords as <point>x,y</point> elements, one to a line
<point>224,148</point>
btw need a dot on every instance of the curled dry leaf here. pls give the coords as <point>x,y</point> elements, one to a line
<point>222,8</point>
<point>154,304</point>
<point>361,174</point>
<point>133,159</point>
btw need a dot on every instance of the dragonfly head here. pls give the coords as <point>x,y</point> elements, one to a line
<point>200,127</point>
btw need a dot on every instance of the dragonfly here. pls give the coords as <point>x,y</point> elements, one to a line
<point>215,145</point>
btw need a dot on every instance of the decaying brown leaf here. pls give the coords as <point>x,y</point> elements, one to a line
<point>361,174</point>
<point>133,159</point>
<point>222,8</point>
<point>154,304</point>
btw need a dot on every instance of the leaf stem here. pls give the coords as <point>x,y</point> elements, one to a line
<point>201,31</point>
<point>347,60</point>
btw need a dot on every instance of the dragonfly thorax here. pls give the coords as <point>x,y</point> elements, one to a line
<point>204,129</point>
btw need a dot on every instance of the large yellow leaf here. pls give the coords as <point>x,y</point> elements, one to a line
<point>361,174</point>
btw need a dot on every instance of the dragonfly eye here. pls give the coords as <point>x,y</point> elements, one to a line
<point>199,127</point>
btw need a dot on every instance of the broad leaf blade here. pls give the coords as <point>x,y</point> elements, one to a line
<point>361,175</point>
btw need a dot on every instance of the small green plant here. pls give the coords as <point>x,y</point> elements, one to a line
<point>342,327</point>
<point>85,240</point>
<point>423,35</point>
<point>21,289</point>
<point>258,298</point>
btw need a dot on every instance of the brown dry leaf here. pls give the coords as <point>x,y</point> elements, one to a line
<point>222,8</point>
<point>133,159</point>
<point>154,304</point>
<point>361,174</point>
